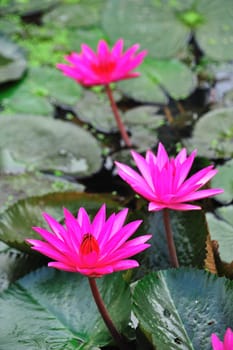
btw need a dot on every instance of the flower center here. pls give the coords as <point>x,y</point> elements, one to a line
<point>104,68</point>
<point>89,245</point>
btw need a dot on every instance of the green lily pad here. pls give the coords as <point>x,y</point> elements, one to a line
<point>94,109</point>
<point>36,93</point>
<point>17,221</point>
<point>12,61</point>
<point>213,134</point>
<point>179,309</point>
<point>149,23</point>
<point>224,179</point>
<point>221,230</point>
<point>84,14</point>
<point>215,35</point>
<point>158,80</point>
<point>190,234</point>
<point>27,7</point>
<point>64,314</point>
<point>16,187</point>
<point>143,123</point>
<point>38,143</point>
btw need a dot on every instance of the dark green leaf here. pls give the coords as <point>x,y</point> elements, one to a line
<point>190,234</point>
<point>17,221</point>
<point>63,312</point>
<point>180,309</point>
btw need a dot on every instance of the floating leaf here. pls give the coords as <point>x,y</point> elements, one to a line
<point>143,123</point>
<point>39,90</point>
<point>38,143</point>
<point>94,109</point>
<point>64,314</point>
<point>84,14</point>
<point>180,309</point>
<point>213,134</point>
<point>190,234</point>
<point>16,222</point>
<point>224,179</point>
<point>16,187</point>
<point>12,61</point>
<point>150,23</point>
<point>215,34</point>
<point>221,230</point>
<point>158,80</point>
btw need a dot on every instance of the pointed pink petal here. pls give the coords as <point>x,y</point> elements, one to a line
<point>124,265</point>
<point>99,221</point>
<point>61,266</point>
<point>136,181</point>
<point>228,339</point>
<point>117,49</point>
<point>162,156</point>
<point>55,226</point>
<point>143,168</point>
<point>201,194</point>
<point>175,206</point>
<point>216,343</point>
<point>84,221</point>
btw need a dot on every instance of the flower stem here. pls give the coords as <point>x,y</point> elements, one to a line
<point>104,313</point>
<point>117,116</point>
<point>170,240</point>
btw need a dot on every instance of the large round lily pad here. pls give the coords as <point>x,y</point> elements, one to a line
<point>38,143</point>
<point>164,27</point>
<point>84,14</point>
<point>160,79</point>
<point>40,88</point>
<point>215,34</point>
<point>224,179</point>
<point>213,134</point>
<point>153,24</point>
<point>14,187</point>
<point>12,61</point>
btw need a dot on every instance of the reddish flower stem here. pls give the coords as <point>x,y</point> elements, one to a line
<point>117,116</point>
<point>169,237</point>
<point>104,313</point>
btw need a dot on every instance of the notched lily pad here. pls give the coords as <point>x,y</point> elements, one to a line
<point>19,186</point>
<point>213,134</point>
<point>38,143</point>
<point>12,61</point>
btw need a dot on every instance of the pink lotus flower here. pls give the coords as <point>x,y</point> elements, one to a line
<point>227,343</point>
<point>163,181</point>
<point>91,248</point>
<point>104,67</point>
